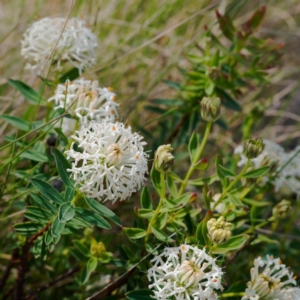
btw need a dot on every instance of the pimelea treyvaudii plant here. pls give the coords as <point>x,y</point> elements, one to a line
<point>185,273</point>
<point>97,215</point>
<point>270,280</point>
<point>111,164</point>
<point>67,40</point>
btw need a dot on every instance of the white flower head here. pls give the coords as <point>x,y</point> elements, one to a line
<point>73,42</point>
<point>87,101</point>
<point>292,293</point>
<point>112,163</point>
<point>185,273</point>
<point>285,167</point>
<point>269,278</point>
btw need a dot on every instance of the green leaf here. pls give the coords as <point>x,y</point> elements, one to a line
<point>27,228</point>
<point>66,212</point>
<point>184,199</point>
<point>84,276</point>
<point>48,237</point>
<point>226,172</point>
<point>62,165</point>
<point>254,22</point>
<point>202,181</point>
<point>71,75</point>
<point>227,100</point>
<point>92,218</point>
<point>69,194</point>
<point>209,87</point>
<point>28,93</point>
<point>140,295</point>
<point>172,84</point>
<point>134,233</point>
<point>226,26</point>
<point>35,156</point>
<point>160,235</point>
<point>167,102</point>
<point>103,210</point>
<point>57,227</point>
<point>43,202</point>
<point>193,146</point>
<point>82,248</point>
<point>222,178</point>
<point>47,190</point>
<point>146,213</point>
<point>233,243</point>
<point>172,186</point>
<point>155,177</point>
<point>92,264</point>
<point>37,214</point>
<point>146,199</point>
<point>235,200</point>
<point>16,122</point>
<point>257,173</point>
<point>256,202</point>
<point>201,231</point>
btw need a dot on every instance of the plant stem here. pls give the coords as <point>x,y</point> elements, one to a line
<point>157,211</point>
<point>232,183</point>
<point>230,295</point>
<point>196,158</point>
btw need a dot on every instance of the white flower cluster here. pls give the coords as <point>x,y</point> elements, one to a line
<point>112,162</point>
<point>284,175</point>
<point>185,273</point>
<point>270,280</point>
<point>73,42</point>
<point>86,100</point>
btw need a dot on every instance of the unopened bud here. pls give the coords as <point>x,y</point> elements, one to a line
<point>218,230</point>
<point>253,148</point>
<point>210,108</point>
<point>281,210</point>
<point>163,158</point>
<point>97,249</point>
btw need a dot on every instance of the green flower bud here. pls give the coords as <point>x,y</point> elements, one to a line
<point>218,230</point>
<point>281,210</point>
<point>201,164</point>
<point>163,158</point>
<point>210,108</point>
<point>97,249</point>
<point>253,147</point>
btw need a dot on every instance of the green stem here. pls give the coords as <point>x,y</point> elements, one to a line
<point>230,295</point>
<point>196,158</point>
<point>232,184</point>
<point>157,211</point>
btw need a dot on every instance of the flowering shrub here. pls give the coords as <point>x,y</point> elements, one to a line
<point>105,208</point>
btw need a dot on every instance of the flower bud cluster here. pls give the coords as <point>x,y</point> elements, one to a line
<point>163,158</point>
<point>281,209</point>
<point>210,108</point>
<point>253,148</point>
<point>218,230</point>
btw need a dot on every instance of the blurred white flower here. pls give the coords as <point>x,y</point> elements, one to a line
<point>86,100</point>
<point>112,162</point>
<point>284,175</point>
<point>74,43</point>
<point>269,280</point>
<point>185,273</point>
<point>291,293</point>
